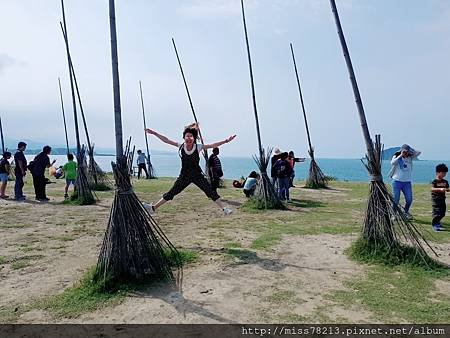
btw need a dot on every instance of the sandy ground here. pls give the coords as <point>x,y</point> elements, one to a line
<point>287,283</point>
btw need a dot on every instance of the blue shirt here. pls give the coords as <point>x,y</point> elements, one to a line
<point>250,183</point>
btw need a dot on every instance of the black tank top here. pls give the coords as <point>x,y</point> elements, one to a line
<point>3,163</point>
<point>190,164</point>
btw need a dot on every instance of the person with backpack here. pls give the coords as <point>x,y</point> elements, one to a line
<point>215,169</point>
<point>5,170</point>
<point>401,174</point>
<point>37,168</point>
<point>283,172</point>
<point>20,171</point>
<point>189,152</point>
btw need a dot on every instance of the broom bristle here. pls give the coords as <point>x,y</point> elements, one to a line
<point>97,178</point>
<point>316,178</point>
<point>82,192</point>
<point>134,247</point>
<point>265,196</point>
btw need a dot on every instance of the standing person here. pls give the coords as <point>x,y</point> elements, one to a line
<point>189,152</point>
<point>141,164</point>
<point>5,170</point>
<point>401,173</point>
<point>273,175</point>
<point>283,172</point>
<point>292,160</point>
<point>70,173</point>
<point>37,168</point>
<point>20,171</point>
<point>438,189</point>
<point>215,169</point>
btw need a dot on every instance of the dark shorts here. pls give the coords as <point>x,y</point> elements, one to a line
<point>70,181</point>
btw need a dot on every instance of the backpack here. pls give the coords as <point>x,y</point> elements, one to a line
<point>282,169</point>
<point>30,166</point>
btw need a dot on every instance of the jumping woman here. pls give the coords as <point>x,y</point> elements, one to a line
<point>191,172</point>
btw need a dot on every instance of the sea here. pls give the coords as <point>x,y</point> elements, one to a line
<point>350,170</point>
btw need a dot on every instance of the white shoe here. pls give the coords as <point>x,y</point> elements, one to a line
<point>227,211</point>
<point>149,207</point>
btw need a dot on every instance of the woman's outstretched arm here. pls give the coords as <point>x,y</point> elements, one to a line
<point>162,137</point>
<point>218,144</point>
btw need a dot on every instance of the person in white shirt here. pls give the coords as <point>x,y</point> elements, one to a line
<point>401,173</point>
<point>141,164</point>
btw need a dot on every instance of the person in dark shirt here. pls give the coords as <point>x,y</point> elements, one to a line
<point>438,189</point>
<point>37,168</point>
<point>5,170</point>
<point>215,169</point>
<point>283,171</point>
<point>273,174</point>
<point>20,171</point>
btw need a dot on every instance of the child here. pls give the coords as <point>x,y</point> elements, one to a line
<point>250,184</point>
<point>189,152</point>
<point>438,189</point>
<point>283,171</point>
<point>5,169</point>
<point>70,172</point>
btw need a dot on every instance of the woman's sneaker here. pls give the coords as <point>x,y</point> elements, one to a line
<point>149,207</point>
<point>437,227</point>
<point>227,211</point>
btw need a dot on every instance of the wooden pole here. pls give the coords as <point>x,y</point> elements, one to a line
<point>261,151</point>
<point>149,163</point>
<point>64,116</point>
<point>116,84</point>
<point>358,100</point>
<point>301,101</point>
<point>1,136</point>
<point>78,93</point>
<point>74,105</point>
<point>205,152</point>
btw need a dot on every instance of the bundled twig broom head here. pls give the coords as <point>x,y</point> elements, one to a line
<point>134,247</point>
<point>316,178</point>
<point>82,192</point>
<point>98,179</point>
<point>265,196</point>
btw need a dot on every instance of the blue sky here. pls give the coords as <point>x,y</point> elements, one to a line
<point>400,50</point>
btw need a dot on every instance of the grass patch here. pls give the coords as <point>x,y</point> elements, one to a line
<point>256,204</point>
<point>367,252</point>
<point>23,261</point>
<point>84,296</point>
<point>15,226</point>
<point>20,264</point>
<point>282,297</point>
<point>230,245</point>
<point>244,256</point>
<point>186,257</point>
<point>397,295</point>
<point>2,259</point>
<point>266,241</point>
<point>88,295</point>
<point>63,238</point>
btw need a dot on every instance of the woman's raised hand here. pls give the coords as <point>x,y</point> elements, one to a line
<point>231,138</point>
<point>150,131</point>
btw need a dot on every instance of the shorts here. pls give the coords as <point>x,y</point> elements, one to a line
<point>69,181</point>
<point>3,177</point>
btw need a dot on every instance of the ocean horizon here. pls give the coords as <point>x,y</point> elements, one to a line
<point>352,170</point>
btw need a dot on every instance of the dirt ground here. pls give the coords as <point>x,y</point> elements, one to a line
<point>47,247</point>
